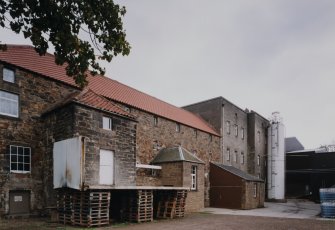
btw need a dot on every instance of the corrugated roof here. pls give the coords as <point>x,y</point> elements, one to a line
<point>238,172</point>
<point>88,98</point>
<point>175,154</point>
<point>26,57</point>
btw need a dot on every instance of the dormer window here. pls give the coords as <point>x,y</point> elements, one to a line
<point>8,75</point>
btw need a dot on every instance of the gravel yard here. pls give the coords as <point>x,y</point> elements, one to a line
<point>191,221</point>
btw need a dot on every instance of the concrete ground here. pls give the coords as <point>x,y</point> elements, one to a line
<point>299,209</point>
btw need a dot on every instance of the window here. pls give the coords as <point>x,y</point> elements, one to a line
<point>235,156</point>
<point>236,130</point>
<point>195,132</point>
<point>107,123</point>
<point>242,133</point>
<point>242,158</point>
<point>255,190</point>
<point>259,136</point>
<point>210,137</point>
<point>8,75</point>
<point>228,154</point>
<point>20,159</point>
<point>177,127</point>
<point>155,121</point>
<point>258,160</point>
<point>228,127</point>
<point>194,177</point>
<point>9,104</point>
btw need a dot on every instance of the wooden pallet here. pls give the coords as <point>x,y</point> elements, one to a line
<point>140,207</point>
<point>85,209</point>
<point>171,204</point>
<point>180,204</point>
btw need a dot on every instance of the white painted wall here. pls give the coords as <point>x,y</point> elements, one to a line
<point>67,163</point>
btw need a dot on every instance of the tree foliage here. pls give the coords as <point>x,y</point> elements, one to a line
<point>60,23</point>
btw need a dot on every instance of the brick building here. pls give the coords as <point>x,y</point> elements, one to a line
<point>41,106</point>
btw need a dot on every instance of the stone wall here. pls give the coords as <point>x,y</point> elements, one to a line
<point>249,200</point>
<point>120,140</point>
<point>87,122</point>
<point>178,174</point>
<point>35,95</point>
<point>194,196</point>
<point>257,144</point>
<point>150,138</point>
<point>237,145</point>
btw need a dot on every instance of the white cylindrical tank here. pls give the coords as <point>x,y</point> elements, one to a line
<point>276,158</point>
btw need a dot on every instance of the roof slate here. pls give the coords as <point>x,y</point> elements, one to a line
<point>175,154</point>
<point>293,144</point>
<point>238,172</point>
<point>26,58</point>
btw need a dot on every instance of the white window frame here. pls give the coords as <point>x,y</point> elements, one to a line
<point>6,72</point>
<point>107,123</point>
<point>11,156</point>
<point>5,99</point>
<point>255,190</point>
<point>193,177</point>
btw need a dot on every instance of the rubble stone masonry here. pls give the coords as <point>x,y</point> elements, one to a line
<point>35,95</point>
<point>150,138</point>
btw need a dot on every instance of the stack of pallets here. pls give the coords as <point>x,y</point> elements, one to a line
<point>166,204</point>
<point>86,209</point>
<point>180,204</point>
<point>64,206</point>
<point>141,206</point>
<point>171,204</point>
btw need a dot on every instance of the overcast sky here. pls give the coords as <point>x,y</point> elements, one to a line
<point>263,55</point>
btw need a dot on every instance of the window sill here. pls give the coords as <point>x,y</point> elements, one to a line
<point>19,172</point>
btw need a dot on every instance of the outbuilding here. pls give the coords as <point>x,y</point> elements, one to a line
<point>232,188</point>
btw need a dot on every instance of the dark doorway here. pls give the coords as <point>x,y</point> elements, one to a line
<point>19,202</point>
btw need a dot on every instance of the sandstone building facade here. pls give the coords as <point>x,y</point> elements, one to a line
<point>41,106</point>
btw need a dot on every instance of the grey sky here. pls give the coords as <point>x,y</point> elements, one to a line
<point>264,55</point>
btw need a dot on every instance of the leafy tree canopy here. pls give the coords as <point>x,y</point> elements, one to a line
<point>60,23</point>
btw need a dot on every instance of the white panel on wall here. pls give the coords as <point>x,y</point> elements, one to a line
<point>106,172</point>
<point>67,163</point>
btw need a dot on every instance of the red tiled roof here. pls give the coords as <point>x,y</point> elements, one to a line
<point>88,98</point>
<point>26,57</point>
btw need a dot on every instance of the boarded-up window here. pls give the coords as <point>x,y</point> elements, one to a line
<point>106,167</point>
